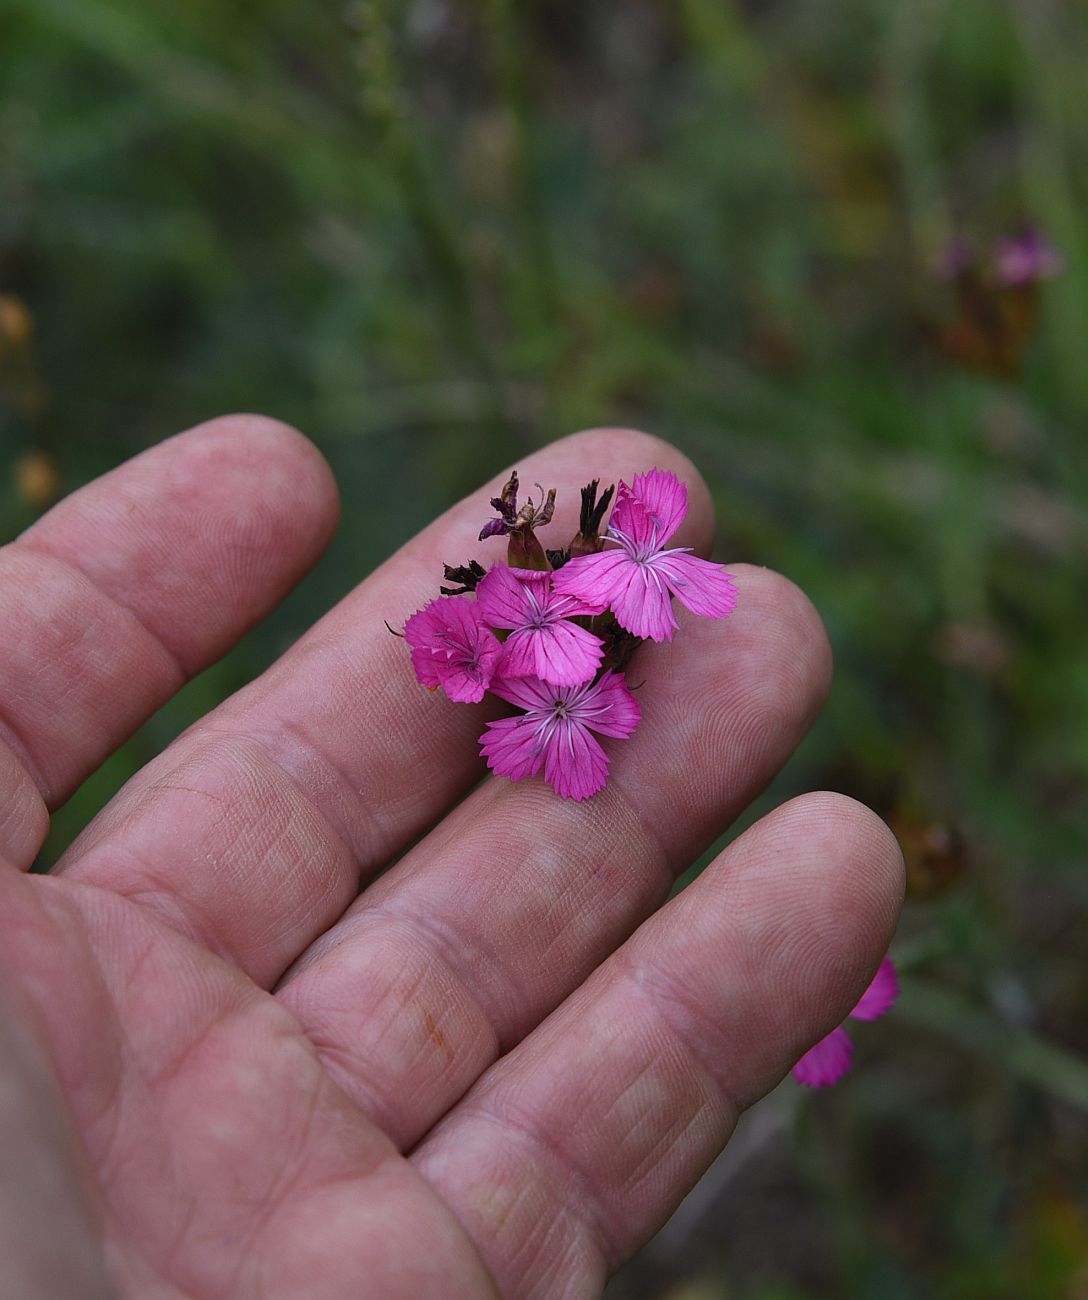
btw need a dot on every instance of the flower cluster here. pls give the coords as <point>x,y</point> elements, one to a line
<point>552,631</point>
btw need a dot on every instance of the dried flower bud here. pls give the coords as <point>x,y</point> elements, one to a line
<point>465,575</point>
<point>524,551</point>
<point>588,539</point>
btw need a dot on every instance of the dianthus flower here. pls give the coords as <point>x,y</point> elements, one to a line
<point>453,649</point>
<point>829,1060</point>
<point>542,643</point>
<point>638,579</point>
<point>554,731</point>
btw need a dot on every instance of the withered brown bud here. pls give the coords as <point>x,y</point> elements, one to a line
<point>524,550</point>
<point>587,541</point>
<point>465,575</point>
<point>507,506</point>
<point>507,502</point>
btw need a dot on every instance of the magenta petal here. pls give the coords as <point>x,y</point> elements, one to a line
<point>574,763</point>
<point>644,606</point>
<point>699,585</point>
<point>880,994</point>
<point>452,649</point>
<point>562,654</point>
<point>526,692</point>
<point>628,517</point>
<point>612,710</point>
<point>827,1062</point>
<point>518,657</point>
<point>567,654</point>
<point>501,598</point>
<point>512,747</point>
<point>664,498</point>
<point>555,730</point>
<point>463,685</point>
<point>593,578</point>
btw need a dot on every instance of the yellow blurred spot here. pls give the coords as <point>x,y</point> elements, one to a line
<point>16,325</point>
<point>37,479</point>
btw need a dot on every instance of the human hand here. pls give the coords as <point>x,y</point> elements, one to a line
<point>499,1068</point>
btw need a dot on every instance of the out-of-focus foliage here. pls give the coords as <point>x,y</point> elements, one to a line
<point>435,235</point>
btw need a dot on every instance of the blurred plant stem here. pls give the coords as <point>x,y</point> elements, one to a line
<point>910,27</point>
<point>385,102</point>
<point>1050,70</point>
<point>270,125</point>
<point>1018,1051</point>
<point>509,53</point>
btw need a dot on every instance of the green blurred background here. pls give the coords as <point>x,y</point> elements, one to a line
<point>436,235</point>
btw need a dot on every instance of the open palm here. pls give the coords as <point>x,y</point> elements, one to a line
<point>497,1068</point>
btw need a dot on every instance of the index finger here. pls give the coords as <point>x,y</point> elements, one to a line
<point>133,584</point>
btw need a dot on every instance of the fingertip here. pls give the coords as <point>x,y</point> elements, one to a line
<point>257,504</point>
<point>858,866</point>
<point>292,478</point>
<point>140,579</point>
<point>795,917</point>
<point>776,617</point>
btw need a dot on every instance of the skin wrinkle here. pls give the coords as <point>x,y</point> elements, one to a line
<point>566,1262</point>
<point>440,948</point>
<point>564,1168</point>
<point>11,736</point>
<point>362,846</point>
<point>273,1195</point>
<point>180,670</point>
<point>161,892</point>
<point>656,993</point>
<point>24,818</point>
<point>629,828</point>
<point>374,1098</point>
<point>685,1113</point>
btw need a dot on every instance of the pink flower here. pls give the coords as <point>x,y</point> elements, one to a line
<point>1026,258</point>
<point>829,1060</point>
<point>542,643</point>
<point>553,732</point>
<point>452,648</point>
<point>638,579</point>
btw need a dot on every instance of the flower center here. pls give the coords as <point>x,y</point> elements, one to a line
<point>640,552</point>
